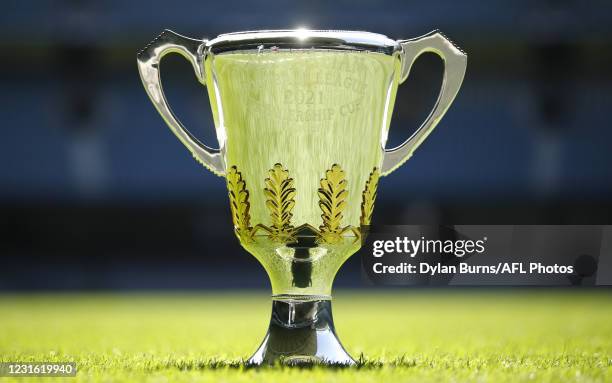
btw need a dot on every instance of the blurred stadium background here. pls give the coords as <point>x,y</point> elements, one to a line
<point>96,193</point>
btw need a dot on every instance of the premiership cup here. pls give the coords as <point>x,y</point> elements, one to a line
<point>301,119</point>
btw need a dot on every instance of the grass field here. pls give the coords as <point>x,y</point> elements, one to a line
<point>412,335</point>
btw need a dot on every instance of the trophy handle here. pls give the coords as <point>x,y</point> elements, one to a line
<point>148,66</point>
<point>455,62</point>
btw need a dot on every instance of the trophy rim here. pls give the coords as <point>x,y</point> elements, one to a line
<point>283,39</point>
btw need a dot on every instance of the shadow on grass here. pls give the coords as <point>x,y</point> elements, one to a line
<point>242,364</point>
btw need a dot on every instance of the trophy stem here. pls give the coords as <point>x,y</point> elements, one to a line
<point>301,333</point>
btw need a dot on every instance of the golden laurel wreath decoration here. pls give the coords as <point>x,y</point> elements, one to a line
<point>368,198</point>
<point>239,205</point>
<point>280,195</point>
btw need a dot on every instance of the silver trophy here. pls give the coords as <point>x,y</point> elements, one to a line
<point>302,119</point>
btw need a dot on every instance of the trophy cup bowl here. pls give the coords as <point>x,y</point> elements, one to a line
<point>301,119</point>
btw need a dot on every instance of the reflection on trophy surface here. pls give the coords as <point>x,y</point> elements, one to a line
<point>302,119</point>
<point>302,155</point>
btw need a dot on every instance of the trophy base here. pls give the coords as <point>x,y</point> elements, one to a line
<point>301,333</point>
